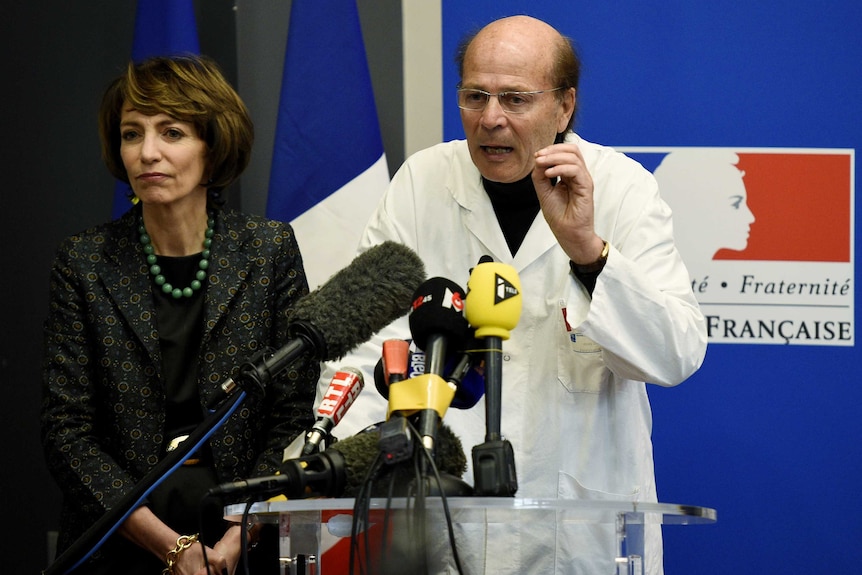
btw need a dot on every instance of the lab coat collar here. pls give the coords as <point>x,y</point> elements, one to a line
<point>465,185</point>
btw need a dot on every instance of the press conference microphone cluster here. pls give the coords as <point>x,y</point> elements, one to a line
<point>354,304</point>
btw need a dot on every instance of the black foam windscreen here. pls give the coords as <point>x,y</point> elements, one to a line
<point>361,450</point>
<point>359,300</point>
<point>359,453</point>
<point>449,452</point>
<point>438,310</point>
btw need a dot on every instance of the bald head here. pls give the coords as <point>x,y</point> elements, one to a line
<point>523,30</point>
<point>517,42</point>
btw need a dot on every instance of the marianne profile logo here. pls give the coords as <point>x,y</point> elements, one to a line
<point>767,237</point>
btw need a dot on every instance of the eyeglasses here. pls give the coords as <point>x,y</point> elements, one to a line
<point>512,102</point>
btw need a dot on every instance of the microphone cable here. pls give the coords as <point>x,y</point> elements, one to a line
<point>244,536</point>
<point>443,500</point>
<point>415,508</point>
<point>419,516</point>
<point>361,518</point>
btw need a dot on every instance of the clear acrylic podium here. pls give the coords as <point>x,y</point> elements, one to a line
<point>311,531</point>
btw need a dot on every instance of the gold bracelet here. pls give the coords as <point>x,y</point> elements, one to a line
<point>183,543</point>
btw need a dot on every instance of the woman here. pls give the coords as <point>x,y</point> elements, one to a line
<point>149,314</point>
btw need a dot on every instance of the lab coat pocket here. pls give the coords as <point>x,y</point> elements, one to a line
<point>580,366</point>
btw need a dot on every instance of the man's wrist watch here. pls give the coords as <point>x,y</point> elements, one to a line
<point>594,267</point>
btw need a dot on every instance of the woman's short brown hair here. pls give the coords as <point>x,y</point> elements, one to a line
<point>190,89</point>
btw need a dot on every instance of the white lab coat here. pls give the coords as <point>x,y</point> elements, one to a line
<point>575,406</point>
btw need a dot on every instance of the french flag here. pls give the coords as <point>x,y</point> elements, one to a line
<point>328,168</point>
<point>162,28</point>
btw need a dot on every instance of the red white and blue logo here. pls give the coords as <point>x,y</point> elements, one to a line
<point>767,236</point>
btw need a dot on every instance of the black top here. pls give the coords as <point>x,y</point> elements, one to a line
<point>180,325</point>
<point>516,206</point>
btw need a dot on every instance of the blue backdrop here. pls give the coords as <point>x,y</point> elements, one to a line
<point>769,435</point>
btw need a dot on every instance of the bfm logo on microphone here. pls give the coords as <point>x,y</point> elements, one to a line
<point>450,300</point>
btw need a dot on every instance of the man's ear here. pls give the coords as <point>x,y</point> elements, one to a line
<point>567,103</point>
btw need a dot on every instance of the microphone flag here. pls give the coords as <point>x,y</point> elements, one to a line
<point>162,28</point>
<point>328,167</point>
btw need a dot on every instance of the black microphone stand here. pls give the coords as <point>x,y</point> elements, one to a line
<point>494,460</point>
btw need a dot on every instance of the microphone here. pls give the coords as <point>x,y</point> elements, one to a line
<point>354,304</point>
<point>465,371</point>
<point>392,365</point>
<point>344,388</point>
<point>493,307</point>
<point>341,470</point>
<point>436,322</point>
<point>469,380</point>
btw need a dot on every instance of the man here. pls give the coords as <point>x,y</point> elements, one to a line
<point>607,303</point>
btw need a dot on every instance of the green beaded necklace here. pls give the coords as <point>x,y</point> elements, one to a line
<point>156,270</point>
